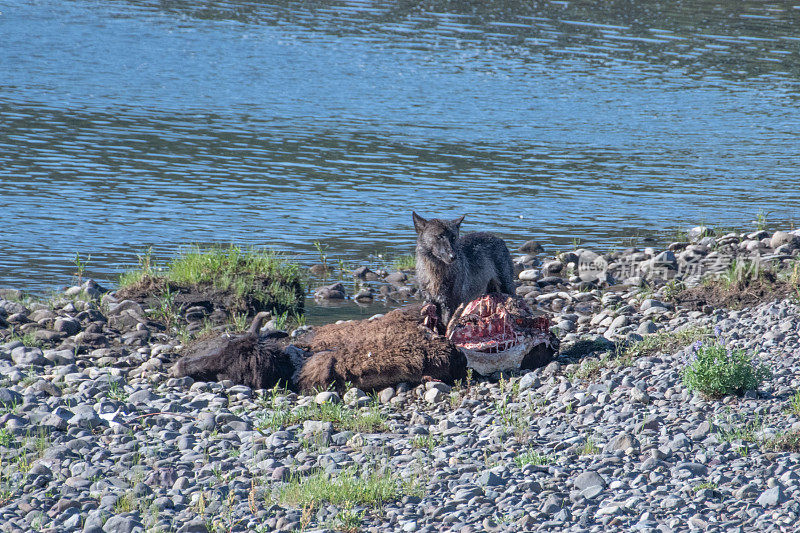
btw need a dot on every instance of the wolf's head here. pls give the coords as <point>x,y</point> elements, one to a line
<point>437,237</point>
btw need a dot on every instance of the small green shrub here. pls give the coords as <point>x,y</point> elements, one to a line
<point>716,371</point>
<point>740,272</point>
<point>348,520</point>
<point>705,485</point>
<point>426,442</point>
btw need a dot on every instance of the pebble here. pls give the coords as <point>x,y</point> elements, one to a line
<point>327,397</point>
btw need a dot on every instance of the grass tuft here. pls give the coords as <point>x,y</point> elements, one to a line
<point>532,457</point>
<point>794,403</point>
<point>348,488</point>
<point>405,262</point>
<point>28,339</point>
<point>426,442</point>
<point>784,442</point>
<point>705,485</point>
<point>739,273</point>
<point>625,355</point>
<point>125,503</point>
<point>342,417</point>
<point>589,447</point>
<point>664,342</point>
<point>348,520</point>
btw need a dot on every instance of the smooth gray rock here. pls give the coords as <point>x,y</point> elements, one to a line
<point>529,381</point>
<point>27,355</point>
<point>327,397</point>
<point>67,325</point>
<point>10,398</point>
<point>702,431</point>
<point>142,396</point>
<point>317,426</point>
<point>434,396</point>
<point>86,417</point>
<point>125,305</point>
<point>60,357</point>
<point>122,524</point>
<point>696,469</point>
<point>335,291</point>
<point>647,328</point>
<point>650,302</point>
<point>621,442</point>
<point>589,479</point>
<point>386,395</point>
<point>489,479</point>
<point>770,497</point>
<point>780,238</point>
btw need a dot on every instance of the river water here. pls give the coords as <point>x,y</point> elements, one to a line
<point>128,124</point>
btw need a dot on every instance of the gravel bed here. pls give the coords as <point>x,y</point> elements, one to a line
<point>95,436</point>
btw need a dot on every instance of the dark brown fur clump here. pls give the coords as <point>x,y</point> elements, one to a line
<point>247,359</point>
<point>379,353</point>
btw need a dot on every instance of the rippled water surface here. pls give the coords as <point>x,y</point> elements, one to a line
<point>125,124</point>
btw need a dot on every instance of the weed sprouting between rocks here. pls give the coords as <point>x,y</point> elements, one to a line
<point>716,370</point>
<point>350,487</point>
<point>371,419</point>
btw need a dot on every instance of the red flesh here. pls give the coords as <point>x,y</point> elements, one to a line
<point>485,325</point>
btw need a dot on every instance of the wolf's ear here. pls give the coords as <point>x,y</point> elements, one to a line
<point>457,221</point>
<point>419,222</point>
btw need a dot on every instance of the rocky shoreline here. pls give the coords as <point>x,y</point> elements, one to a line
<point>96,436</point>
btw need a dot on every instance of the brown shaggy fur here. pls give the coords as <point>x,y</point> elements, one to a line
<point>379,353</point>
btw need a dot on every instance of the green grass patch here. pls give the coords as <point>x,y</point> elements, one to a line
<point>784,442</point>
<point>125,503</point>
<point>426,442</point>
<point>405,262</point>
<point>28,339</point>
<point>591,367</point>
<point>532,457</point>
<point>794,403</point>
<point>734,429</point>
<point>342,417</point>
<point>751,431</point>
<point>348,520</point>
<point>254,279</point>
<point>716,371</point>
<point>626,354</point>
<point>349,488</point>
<point>740,272</point>
<point>664,342</point>
<point>589,447</point>
<point>116,391</point>
<point>705,485</point>
<point>5,437</point>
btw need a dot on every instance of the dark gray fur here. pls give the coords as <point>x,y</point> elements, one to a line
<point>453,269</point>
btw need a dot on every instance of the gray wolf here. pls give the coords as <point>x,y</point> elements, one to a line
<point>453,269</point>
